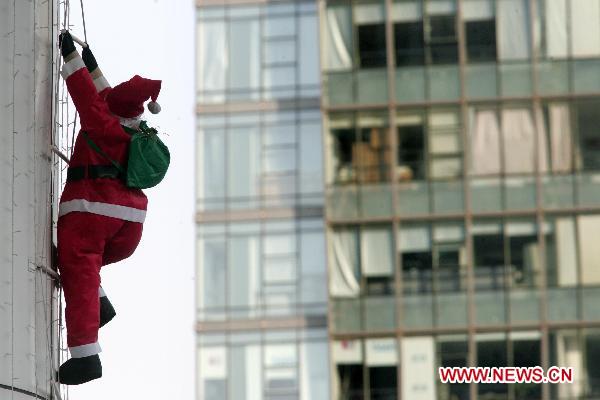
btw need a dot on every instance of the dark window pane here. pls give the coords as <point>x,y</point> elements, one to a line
<point>442,40</point>
<point>371,45</point>
<point>592,351</point>
<point>589,134</point>
<point>409,44</point>
<point>411,150</point>
<point>481,41</point>
<point>492,354</point>
<point>417,272</point>
<point>383,383</point>
<point>489,261</point>
<point>350,381</point>
<point>380,286</point>
<point>443,27</point>
<point>444,53</point>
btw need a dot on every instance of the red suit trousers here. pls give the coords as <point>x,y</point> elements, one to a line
<point>86,242</point>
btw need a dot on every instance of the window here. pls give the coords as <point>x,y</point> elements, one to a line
<point>350,377</point>
<point>443,44</point>
<point>211,171</point>
<point>383,383</point>
<point>492,352</point>
<point>411,152</point>
<point>481,41</point>
<point>213,372</point>
<point>488,257</point>
<point>361,253</point>
<point>429,145</point>
<point>255,53</point>
<point>373,361</point>
<point>524,265</point>
<point>453,351</point>
<point>359,153</point>
<point>445,148</point>
<point>257,160</point>
<point>508,141</point>
<point>514,35</point>
<point>588,228</point>
<point>432,258</point>
<point>409,42</point>
<point>371,46</point>
<point>212,276</point>
<point>480,30</point>
<point>588,120</point>
<point>437,45</point>
<point>369,17</point>
<point>244,57</point>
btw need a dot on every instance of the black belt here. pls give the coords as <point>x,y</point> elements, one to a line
<point>93,172</point>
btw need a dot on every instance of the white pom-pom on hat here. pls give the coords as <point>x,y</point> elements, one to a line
<point>154,107</point>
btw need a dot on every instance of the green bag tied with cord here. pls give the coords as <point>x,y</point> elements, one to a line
<point>148,159</point>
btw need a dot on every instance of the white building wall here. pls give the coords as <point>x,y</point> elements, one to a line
<point>27,332</point>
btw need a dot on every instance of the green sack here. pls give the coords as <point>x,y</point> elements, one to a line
<point>148,160</point>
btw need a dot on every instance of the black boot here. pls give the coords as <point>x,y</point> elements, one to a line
<point>107,311</point>
<point>76,371</point>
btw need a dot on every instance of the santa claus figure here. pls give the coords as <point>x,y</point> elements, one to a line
<point>100,218</point>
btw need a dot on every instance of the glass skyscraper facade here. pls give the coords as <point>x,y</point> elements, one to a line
<point>262,291</point>
<point>424,176</point>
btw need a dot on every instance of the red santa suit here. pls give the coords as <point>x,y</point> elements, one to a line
<point>100,219</point>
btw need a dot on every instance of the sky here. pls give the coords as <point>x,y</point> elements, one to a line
<point>149,348</point>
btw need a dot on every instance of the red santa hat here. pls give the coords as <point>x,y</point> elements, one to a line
<point>127,99</point>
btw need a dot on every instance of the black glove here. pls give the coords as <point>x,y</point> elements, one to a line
<point>88,59</point>
<point>65,42</point>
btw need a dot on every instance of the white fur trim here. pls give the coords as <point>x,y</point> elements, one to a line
<point>101,292</point>
<point>85,350</point>
<point>72,66</point>
<point>106,209</point>
<point>101,83</point>
<point>133,123</point>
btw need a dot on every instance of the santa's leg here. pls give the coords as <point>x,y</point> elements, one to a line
<point>123,243</point>
<point>81,241</point>
<point>118,248</point>
<point>107,311</point>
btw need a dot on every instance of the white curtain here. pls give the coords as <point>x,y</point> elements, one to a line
<point>344,266</point>
<point>376,251</point>
<point>588,228</point>
<point>514,41</point>
<point>585,28</point>
<point>339,38</point>
<point>485,137</point>
<point>556,28</point>
<point>569,353</point>
<point>519,131</point>
<point>566,252</point>
<point>560,137</point>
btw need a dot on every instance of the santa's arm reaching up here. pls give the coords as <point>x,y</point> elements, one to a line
<point>92,108</point>
<point>102,85</point>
